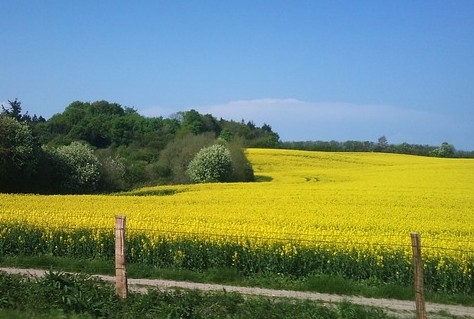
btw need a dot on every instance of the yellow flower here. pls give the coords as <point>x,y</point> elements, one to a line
<point>362,202</point>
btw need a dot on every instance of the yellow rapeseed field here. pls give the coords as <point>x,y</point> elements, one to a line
<point>352,200</point>
<point>360,197</point>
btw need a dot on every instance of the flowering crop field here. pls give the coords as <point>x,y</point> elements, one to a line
<point>349,214</point>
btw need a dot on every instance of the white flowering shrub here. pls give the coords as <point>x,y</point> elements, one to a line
<point>79,168</point>
<point>211,164</point>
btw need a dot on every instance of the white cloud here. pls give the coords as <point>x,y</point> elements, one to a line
<point>296,120</point>
<point>299,120</point>
<point>283,109</point>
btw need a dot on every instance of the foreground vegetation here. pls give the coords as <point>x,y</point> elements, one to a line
<point>336,214</point>
<point>60,295</point>
<point>331,284</point>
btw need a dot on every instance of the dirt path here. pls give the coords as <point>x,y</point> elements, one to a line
<point>402,308</point>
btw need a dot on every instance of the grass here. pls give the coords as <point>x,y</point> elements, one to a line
<point>148,192</point>
<point>62,295</point>
<point>313,283</point>
<point>50,314</point>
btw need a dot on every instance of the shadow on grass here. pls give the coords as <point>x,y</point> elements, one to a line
<point>263,178</point>
<point>150,192</point>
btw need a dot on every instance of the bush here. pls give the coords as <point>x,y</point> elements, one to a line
<point>113,173</point>
<point>211,164</point>
<point>242,168</point>
<point>77,168</point>
<point>445,150</point>
<point>178,154</point>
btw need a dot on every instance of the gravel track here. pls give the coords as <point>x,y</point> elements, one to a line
<point>401,308</point>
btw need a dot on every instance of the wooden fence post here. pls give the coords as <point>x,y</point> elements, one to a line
<point>418,272</point>
<point>121,286</point>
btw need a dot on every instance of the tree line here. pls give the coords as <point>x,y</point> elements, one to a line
<point>104,147</point>
<point>443,150</point>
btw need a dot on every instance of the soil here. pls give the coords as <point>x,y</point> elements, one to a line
<point>399,308</point>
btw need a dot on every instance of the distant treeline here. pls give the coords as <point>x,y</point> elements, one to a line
<point>103,147</point>
<point>444,150</point>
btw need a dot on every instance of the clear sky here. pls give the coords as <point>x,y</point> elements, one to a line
<point>312,70</point>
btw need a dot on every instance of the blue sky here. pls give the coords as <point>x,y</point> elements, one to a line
<point>313,70</point>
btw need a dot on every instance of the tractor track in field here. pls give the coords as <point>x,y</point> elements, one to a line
<point>399,308</point>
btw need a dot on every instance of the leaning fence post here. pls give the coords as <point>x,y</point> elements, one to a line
<point>121,287</point>
<point>418,272</point>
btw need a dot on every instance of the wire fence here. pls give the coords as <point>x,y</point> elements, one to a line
<point>449,264</point>
<point>389,241</point>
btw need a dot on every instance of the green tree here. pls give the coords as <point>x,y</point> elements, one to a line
<point>444,150</point>
<point>13,110</point>
<point>265,140</point>
<point>211,164</point>
<point>195,123</point>
<point>17,156</point>
<point>382,144</point>
<point>226,135</point>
